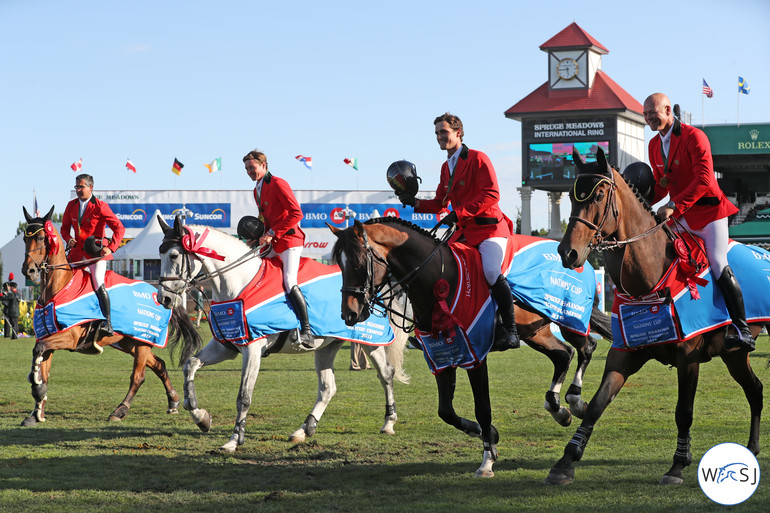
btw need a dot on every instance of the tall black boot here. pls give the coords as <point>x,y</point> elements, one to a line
<point>731,290</point>
<point>104,305</point>
<point>307,339</point>
<point>501,293</point>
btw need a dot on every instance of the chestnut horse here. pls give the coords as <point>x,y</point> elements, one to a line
<point>372,254</point>
<point>608,214</point>
<point>46,262</point>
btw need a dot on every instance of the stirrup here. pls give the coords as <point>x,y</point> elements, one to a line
<point>105,329</point>
<point>306,339</point>
<point>505,340</point>
<point>740,339</point>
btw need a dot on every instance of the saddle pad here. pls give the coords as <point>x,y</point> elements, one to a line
<point>538,279</point>
<point>263,308</point>
<point>697,313</point>
<point>134,308</point>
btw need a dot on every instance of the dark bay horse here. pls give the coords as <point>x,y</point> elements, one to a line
<point>609,214</point>
<point>45,261</point>
<point>373,253</point>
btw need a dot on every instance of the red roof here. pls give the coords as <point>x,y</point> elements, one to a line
<point>573,37</point>
<point>604,95</point>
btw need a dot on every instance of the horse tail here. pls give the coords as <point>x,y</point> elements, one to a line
<point>180,326</point>
<point>601,323</point>
<point>395,354</point>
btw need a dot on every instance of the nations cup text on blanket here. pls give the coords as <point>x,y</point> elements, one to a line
<point>638,322</point>
<point>537,279</point>
<point>134,307</point>
<point>263,309</point>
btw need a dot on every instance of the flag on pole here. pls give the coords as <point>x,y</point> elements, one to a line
<point>177,167</point>
<point>130,166</point>
<point>216,165</point>
<point>34,204</point>
<point>743,86</point>
<point>352,163</point>
<point>77,166</point>
<point>707,90</point>
<point>308,161</point>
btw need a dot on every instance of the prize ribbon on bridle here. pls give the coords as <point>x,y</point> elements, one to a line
<point>50,234</point>
<point>195,245</point>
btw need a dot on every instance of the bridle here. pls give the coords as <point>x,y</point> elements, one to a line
<point>598,241</point>
<point>379,298</point>
<point>43,266</point>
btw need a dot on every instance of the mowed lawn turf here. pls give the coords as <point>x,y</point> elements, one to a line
<point>77,461</point>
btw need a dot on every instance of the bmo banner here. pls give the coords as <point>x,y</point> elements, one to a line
<point>136,215</point>
<point>343,215</point>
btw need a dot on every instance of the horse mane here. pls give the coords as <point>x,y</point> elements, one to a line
<point>639,196</point>
<point>404,223</point>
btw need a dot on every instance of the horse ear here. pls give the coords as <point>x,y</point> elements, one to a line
<point>178,226</point>
<point>163,225</point>
<point>28,217</point>
<point>336,231</point>
<point>577,159</point>
<point>49,214</point>
<point>601,159</point>
<point>358,228</point>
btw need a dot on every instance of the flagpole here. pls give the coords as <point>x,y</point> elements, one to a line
<point>739,108</point>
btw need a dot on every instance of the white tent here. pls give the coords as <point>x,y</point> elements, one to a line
<point>140,258</point>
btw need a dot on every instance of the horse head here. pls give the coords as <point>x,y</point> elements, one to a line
<point>594,213</point>
<point>41,241</point>
<point>177,266</point>
<point>361,278</point>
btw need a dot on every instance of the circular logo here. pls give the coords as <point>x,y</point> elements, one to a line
<point>230,311</point>
<point>728,473</point>
<point>391,212</point>
<point>337,215</point>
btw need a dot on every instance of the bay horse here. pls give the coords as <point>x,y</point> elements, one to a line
<point>388,248</point>
<point>609,214</point>
<point>45,261</point>
<point>182,269</point>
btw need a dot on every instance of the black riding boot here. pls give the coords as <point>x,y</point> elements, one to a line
<point>307,339</point>
<point>731,290</point>
<point>501,293</point>
<point>104,305</point>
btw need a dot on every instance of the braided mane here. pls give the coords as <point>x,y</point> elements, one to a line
<point>402,222</point>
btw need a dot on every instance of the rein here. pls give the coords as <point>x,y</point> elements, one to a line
<point>599,242</point>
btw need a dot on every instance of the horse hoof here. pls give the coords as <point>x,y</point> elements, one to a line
<point>563,417</point>
<point>172,411</point>
<point>29,421</point>
<point>298,436</point>
<point>202,419</point>
<point>387,429</point>
<point>671,480</point>
<point>229,447</point>
<point>119,413</point>
<point>560,477</point>
<point>484,473</point>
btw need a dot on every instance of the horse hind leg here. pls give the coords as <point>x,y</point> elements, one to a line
<point>158,367</point>
<point>561,356</point>
<point>140,353</point>
<point>585,346</point>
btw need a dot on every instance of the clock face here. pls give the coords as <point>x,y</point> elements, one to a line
<point>567,68</point>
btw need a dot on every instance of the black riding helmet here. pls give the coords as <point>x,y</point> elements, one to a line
<point>403,179</point>
<point>640,175</point>
<point>93,246</point>
<point>250,228</point>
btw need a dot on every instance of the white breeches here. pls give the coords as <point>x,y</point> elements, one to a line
<point>715,237</point>
<point>290,261</point>
<point>492,254</point>
<point>97,270</point>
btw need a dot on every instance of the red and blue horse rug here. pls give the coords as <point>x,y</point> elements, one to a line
<point>462,334</point>
<point>263,308</point>
<point>135,311</point>
<point>686,303</point>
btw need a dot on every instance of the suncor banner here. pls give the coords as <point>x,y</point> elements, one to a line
<point>136,215</point>
<point>342,215</point>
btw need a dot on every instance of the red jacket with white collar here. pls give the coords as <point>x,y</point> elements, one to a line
<point>689,179</point>
<point>96,217</point>
<point>475,197</point>
<point>280,211</point>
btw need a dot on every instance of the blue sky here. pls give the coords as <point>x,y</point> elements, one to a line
<point>152,81</point>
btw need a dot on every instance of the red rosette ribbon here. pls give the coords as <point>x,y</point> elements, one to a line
<point>53,239</point>
<point>193,244</point>
<point>442,320</point>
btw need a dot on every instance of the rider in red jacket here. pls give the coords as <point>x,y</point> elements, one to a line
<point>280,212</point>
<point>468,182</point>
<point>680,156</point>
<point>88,216</point>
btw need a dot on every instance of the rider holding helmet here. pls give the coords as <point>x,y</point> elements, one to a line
<point>468,182</point>
<point>280,212</point>
<point>89,216</point>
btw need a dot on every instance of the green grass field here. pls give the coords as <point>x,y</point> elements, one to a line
<point>77,461</point>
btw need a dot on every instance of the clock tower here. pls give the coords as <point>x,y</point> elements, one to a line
<point>578,107</point>
<point>574,57</point>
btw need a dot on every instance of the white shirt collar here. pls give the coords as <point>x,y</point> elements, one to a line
<point>665,140</point>
<point>452,159</point>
